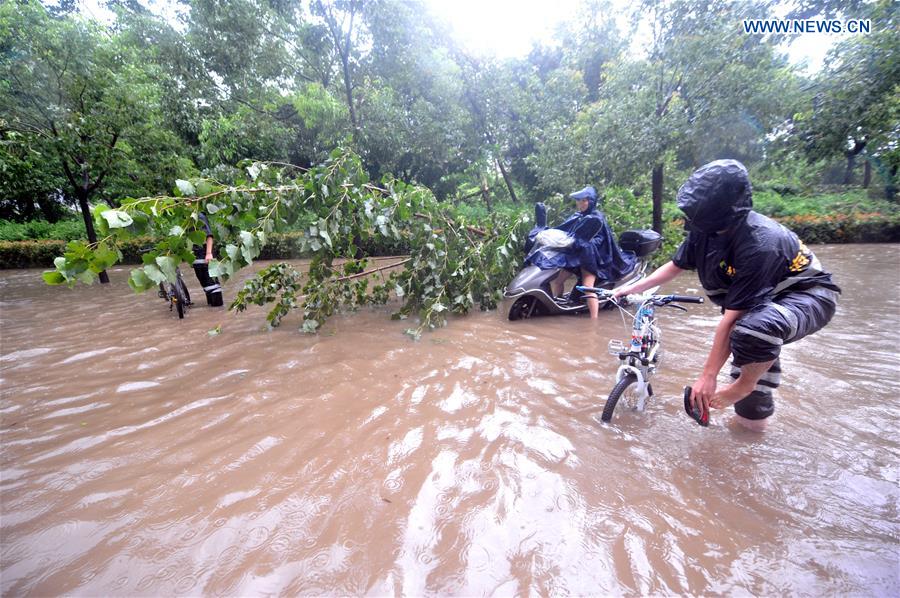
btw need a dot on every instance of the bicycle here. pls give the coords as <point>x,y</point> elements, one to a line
<point>641,358</point>
<point>176,294</point>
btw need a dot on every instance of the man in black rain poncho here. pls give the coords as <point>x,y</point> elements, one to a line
<point>587,247</point>
<point>770,286</point>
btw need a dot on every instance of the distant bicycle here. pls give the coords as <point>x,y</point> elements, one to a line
<point>641,357</point>
<point>176,294</point>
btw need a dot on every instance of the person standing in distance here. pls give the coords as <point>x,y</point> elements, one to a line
<point>772,289</point>
<point>202,256</point>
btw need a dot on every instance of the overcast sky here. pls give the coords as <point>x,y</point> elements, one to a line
<point>508,28</point>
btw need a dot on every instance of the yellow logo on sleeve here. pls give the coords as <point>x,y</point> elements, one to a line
<point>728,270</point>
<point>801,260</point>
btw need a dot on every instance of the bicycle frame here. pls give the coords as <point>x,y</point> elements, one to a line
<point>641,358</point>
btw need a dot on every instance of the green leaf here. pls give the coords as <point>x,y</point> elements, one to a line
<point>204,187</point>
<point>117,218</point>
<point>215,268</point>
<point>139,281</point>
<point>197,237</point>
<point>52,277</point>
<point>176,231</point>
<point>324,234</point>
<point>141,223</point>
<point>154,273</point>
<point>100,223</point>
<point>184,188</point>
<point>103,258</point>
<point>167,265</point>
<point>398,290</point>
<point>309,326</point>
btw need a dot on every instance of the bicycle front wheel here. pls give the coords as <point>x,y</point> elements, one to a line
<point>187,296</point>
<point>614,396</point>
<point>179,300</point>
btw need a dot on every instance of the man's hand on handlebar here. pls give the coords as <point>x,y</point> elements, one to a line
<point>622,291</point>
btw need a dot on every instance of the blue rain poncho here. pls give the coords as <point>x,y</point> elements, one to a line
<point>583,240</point>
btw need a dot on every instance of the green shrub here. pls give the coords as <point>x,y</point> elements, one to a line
<point>773,204</point>
<point>30,254</point>
<point>66,230</point>
<point>845,228</point>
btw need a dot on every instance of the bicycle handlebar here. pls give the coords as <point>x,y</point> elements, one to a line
<point>686,298</point>
<point>604,293</point>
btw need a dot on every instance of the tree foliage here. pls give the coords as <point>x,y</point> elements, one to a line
<point>452,267</point>
<point>855,103</point>
<point>108,114</point>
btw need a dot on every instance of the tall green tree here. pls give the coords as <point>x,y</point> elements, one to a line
<point>86,95</point>
<point>854,105</point>
<point>414,122</point>
<point>701,74</point>
<point>29,183</point>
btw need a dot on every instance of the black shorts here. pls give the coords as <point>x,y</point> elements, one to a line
<point>760,333</point>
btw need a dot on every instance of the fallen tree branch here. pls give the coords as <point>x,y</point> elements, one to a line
<point>469,227</point>
<point>372,271</point>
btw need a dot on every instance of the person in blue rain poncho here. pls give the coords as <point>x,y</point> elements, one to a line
<point>583,244</point>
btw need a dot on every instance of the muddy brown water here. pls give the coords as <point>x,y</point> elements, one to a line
<point>141,456</point>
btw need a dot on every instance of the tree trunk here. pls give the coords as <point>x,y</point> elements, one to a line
<point>858,146</point>
<point>657,185</point>
<point>890,190</point>
<point>89,226</point>
<point>348,90</point>
<point>848,174</point>
<point>867,174</point>
<point>486,195</point>
<point>507,180</point>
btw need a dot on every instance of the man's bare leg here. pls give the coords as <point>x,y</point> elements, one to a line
<point>740,388</point>
<point>593,302</point>
<point>754,425</point>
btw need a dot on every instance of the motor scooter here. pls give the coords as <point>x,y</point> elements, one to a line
<point>529,292</point>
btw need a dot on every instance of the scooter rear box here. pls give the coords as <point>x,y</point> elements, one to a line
<point>641,242</point>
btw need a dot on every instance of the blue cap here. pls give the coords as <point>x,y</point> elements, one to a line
<point>586,193</point>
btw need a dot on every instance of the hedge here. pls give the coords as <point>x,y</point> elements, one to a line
<point>845,228</point>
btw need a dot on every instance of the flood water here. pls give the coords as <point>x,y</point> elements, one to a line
<point>140,456</point>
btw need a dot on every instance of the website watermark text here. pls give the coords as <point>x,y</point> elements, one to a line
<point>801,26</point>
